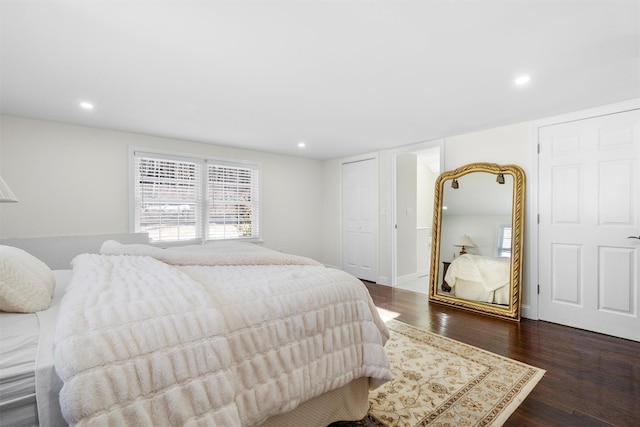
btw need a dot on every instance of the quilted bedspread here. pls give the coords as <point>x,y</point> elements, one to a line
<point>141,341</point>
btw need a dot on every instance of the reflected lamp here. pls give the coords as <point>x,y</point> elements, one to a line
<point>465,242</point>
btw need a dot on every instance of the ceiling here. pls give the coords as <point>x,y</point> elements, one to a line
<point>345,77</point>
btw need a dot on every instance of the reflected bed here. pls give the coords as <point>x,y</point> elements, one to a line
<point>479,278</point>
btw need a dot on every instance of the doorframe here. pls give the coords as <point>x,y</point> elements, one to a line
<point>354,159</point>
<point>532,230</point>
<point>391,200</point>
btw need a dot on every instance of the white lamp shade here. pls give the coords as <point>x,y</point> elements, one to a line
<point>5,193</point>
<point>466,242</point>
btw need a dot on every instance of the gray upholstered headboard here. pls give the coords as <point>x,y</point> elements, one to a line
<point>58,251</point>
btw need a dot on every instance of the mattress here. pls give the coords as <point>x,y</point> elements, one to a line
<point>26,365</point>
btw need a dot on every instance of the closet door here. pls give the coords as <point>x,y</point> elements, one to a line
<point>589,197</point>
<point>360,219</point>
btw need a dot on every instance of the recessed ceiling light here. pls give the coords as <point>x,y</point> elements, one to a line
<point>86,105</point>
<point>301,144</point>
<point>523,80</point>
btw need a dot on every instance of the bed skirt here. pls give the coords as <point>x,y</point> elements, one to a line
<point>347,403</point>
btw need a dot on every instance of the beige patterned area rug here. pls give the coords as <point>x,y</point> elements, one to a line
<point>442,382</point>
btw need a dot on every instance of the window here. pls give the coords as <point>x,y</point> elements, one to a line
<point>504,241</point>
<point>189,199</point>
<point>232,195</point>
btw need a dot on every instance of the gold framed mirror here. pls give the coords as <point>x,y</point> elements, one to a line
<point>477,240</point>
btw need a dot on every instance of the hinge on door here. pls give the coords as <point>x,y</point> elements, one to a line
<point>538,218</point>
<point>538,148</point>
<point>538,289</point>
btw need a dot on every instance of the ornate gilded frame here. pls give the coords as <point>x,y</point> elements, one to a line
<point>512,311</point>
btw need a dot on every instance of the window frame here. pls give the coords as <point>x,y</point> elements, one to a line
<point>203,162</point>
<point>502,251</point>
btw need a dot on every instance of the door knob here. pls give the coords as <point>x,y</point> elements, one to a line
<point>633,237</point>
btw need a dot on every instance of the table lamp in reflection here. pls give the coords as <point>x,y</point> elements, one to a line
<point>465,242</point>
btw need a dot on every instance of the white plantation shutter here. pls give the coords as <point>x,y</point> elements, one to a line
<point>182,199</point>
<point>168,197</point>
<point>233,201</point>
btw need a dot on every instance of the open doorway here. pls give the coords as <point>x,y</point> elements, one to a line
<point>415,170</point>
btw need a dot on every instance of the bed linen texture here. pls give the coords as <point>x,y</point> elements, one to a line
<point>19,338</point>
<point>29,385</point>
<point>218,253</point>
<point>141,341</point>
<point>490,272</point>
<point>480,278</point>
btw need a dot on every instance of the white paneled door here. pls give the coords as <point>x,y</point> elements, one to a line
<point>360,219</point>
<point>589,197</point>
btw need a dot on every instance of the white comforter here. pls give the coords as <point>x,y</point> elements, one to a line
<point>143,342</point>
<point>491,272</point>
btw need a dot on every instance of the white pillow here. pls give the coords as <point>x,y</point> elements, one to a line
<point>26,283</point>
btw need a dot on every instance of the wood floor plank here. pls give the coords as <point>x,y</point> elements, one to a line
<point>591,379</point>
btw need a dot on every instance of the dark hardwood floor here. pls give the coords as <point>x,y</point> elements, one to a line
<point>591,379</point>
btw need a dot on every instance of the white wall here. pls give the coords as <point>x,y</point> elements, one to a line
<point>424,215</point>
<point>503,145</point>
<point>331,213</point>
<point>424,208</point>
<point>406,205</point>
<point>386,217</point>
<point>74,180</point>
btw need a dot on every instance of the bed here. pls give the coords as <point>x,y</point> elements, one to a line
<point>25,362</point>
<point>479,278</point>
<point>219,334</point>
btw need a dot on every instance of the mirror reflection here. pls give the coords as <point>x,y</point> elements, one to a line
<point>478,207</point>
<point>476,230</point>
